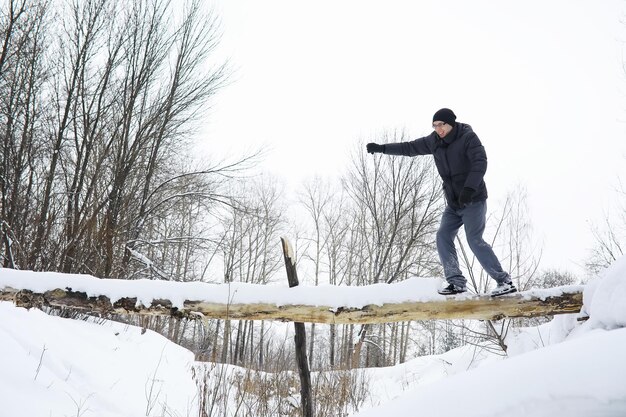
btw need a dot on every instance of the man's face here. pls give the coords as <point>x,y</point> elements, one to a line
<point>442,128</point>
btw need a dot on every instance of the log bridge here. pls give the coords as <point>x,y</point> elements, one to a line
<point>524,304</point>
<point>88,295</point>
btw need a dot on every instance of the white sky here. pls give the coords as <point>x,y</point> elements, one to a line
<point>542,83</point>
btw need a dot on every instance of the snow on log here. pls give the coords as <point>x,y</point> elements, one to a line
<point>414,299</point>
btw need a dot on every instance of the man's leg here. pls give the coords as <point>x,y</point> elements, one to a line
<point>450,224</point>
<point>474,220</point>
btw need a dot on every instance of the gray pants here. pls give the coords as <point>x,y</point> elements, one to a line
<point>474,218</point>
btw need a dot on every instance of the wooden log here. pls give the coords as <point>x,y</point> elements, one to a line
<point>306,396</point>
<point>461,307</point>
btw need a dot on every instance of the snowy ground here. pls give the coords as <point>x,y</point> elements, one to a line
<point>59,367</point>
<point>51,366</point>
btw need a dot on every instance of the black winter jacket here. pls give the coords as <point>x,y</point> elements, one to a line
<point>460,159</point>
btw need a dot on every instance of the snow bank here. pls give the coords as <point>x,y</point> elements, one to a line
<point>61,367</point>
<point>577,378</point>
<point>565,367</point>
<point>605,298</point>
<point>604,302</point>
<point>423,370</point>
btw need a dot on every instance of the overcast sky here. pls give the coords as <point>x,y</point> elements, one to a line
<point>541,82</point>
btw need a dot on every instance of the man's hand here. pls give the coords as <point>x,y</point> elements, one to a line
<point>466,196</point>
<point>375,148</point>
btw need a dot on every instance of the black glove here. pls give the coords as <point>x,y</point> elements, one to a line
<point>466,196</point>
<point>375,148</point>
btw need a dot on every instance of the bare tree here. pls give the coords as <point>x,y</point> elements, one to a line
<point>23,27</point>
<point>100,101</point>
<point>512,232</point>
<point>610,238</point>
<point>398,202</point>
<point>555,278</point>
<point>84,24</point>
<point>316,199</point>
<point>250,254</point>
<point>337,225</point>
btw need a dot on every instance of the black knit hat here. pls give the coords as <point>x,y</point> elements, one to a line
<point>445,115</point>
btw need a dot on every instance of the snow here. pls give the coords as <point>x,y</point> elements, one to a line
<point>560,368</point>
<point>414,289</point>
<point>422,371</point>
<point>575,378</point>
<point>61,367</point>
<point>605,299</point>
<point>418,289</point>
<point>52,366</point>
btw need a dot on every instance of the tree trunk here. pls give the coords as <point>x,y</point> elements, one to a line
<point>300,338</point>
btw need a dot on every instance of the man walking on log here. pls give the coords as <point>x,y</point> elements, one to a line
<point>461,162</point>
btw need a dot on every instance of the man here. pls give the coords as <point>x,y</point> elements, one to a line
<point>461,162</point>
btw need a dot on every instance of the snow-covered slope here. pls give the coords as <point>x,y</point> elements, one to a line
<point>51,366</point>
<point>579,377</point>
<point>563,368</point>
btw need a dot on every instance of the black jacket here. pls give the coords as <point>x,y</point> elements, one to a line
<point>460,159</point>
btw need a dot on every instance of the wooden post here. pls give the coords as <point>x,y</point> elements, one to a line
<point>300,338</point>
